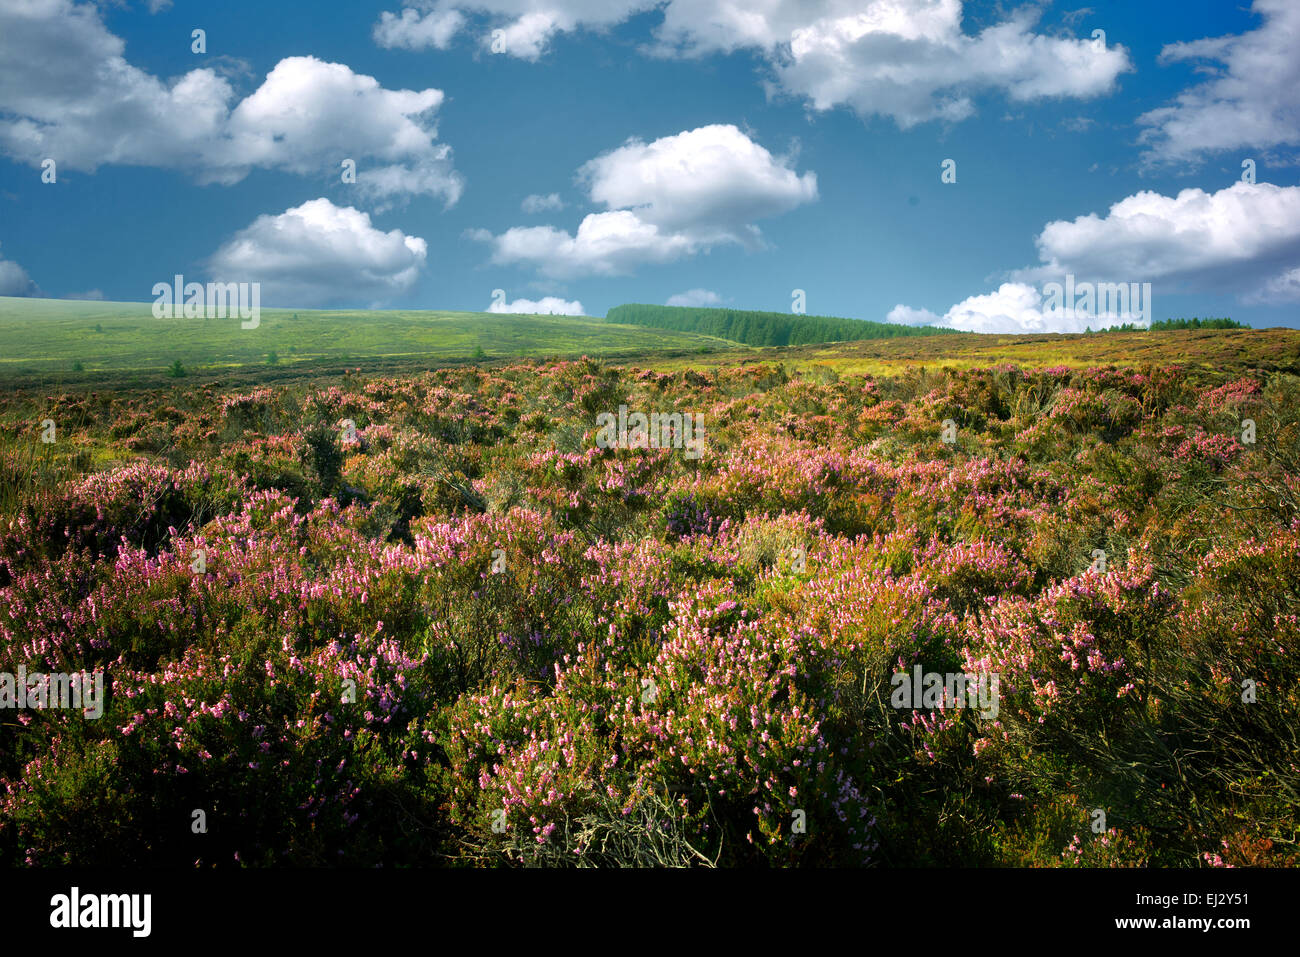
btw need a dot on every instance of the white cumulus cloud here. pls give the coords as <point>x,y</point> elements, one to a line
<point>667,199</point>
<point>1015,308</point>
<point>713,177</point>
<point>909,60</point>
<point>413,30</point>
<point>319,253</point>
<point>1284,287</point>
<point>1250,101</point>
<point>546,306</point>
<point>67,92</point>
<point>542,204</point>
<point>907,316</point>
<point>906,59</point>
<point>517,28</point>
<point>1243,239</point>
<point>14,280</point>
<point>606,244</point>
<point>695,297</point>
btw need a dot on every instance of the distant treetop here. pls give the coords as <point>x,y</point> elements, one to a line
<point>1195,323</point>
<point>1168,325</point>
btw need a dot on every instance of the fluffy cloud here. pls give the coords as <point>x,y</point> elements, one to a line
<point>711,179</point>
<point>67,92</point>
<point>1284,287</point>
<point>670,198</point>
<point>906,59</point>
<point>413,30</point>
<point>695,297</point>
<point>528,36</point>
<point>542,204</point>
<point>1014,308</point>
<point>14,280</point>
<point>518,28</point>
<point>1251,101</point>
<point>1244,239</point>
<point>319,253</point>
<point>606,244</point>
<point>546,306</point>
<point>908,316</point>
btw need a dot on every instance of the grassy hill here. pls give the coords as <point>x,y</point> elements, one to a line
<point>121,345</point>
<point>1228,350</point>
<point>42,339</point>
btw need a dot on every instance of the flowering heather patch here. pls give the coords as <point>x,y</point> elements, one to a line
<point>427,619</point>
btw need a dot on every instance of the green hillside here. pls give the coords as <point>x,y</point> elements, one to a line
<point>50,337</point>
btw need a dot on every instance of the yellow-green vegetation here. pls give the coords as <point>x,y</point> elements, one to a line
<point>44,339</point>
<point>49,342</point>
<point>1264,349</point>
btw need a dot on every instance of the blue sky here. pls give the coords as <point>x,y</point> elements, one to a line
<point>684,151</point>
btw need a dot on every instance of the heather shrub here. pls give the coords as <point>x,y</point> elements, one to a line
<point>396,620</point>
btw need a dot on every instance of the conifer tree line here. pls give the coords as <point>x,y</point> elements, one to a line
<point>1170,325</point>
<point>757,328</point>
<point>762,328</point>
